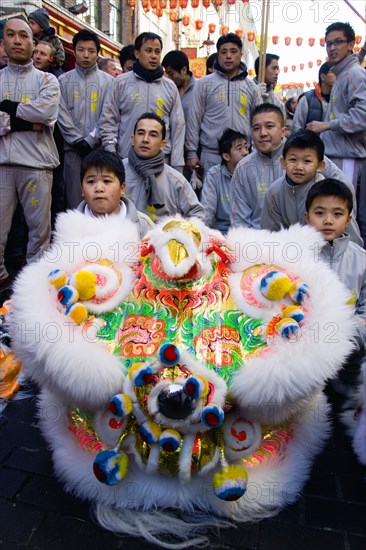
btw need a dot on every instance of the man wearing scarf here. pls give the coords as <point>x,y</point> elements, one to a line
<point>144,89</point>
<point>223,99</point>
<point>152,185</point>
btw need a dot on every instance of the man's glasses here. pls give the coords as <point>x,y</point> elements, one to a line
<point>335,43</point>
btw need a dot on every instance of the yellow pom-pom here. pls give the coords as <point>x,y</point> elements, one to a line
<point>57,278</point>
<point>77,312</point>
<point>275,285</point>
<point>85,282</point>
<point>230,484</point>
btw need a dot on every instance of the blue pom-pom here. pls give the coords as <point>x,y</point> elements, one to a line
<point>212,416</point>
<point>110,466</point>
<point>169,355</point>
<point>67,295</point>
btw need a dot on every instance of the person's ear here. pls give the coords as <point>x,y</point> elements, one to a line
<point>132,140</point>
<point>321,166</point>
<point>122,189</point>
<point>282,160</point>
<point>306,217</point>
<point>226,156</point>
<point>349,220</point>
<point>163,145</point>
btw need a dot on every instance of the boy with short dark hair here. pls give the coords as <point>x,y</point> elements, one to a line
<point>39,22</point>
<point>284,202</point>
<point>329,210</point>
<point>103,184</point>
<point>233,146</point>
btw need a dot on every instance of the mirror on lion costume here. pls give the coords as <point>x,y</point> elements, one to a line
<point>181,373</point>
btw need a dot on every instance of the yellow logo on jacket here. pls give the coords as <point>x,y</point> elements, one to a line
<point>160,104</point>
<point>243,104</point>
<point>93,101</point>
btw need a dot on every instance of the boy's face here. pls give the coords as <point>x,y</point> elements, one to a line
<point>148,140</point>
<point>301,165</point>
<point>102,191</point>
<point>86,53</point>
<point>239,150</point>
<point>36,28</point>
<point>267,132</point>
<point>329,215</point>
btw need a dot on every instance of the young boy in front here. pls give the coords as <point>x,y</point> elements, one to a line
<point>284,202</point>
<point>329,210</point>
<point>103,184</point>
<point>216,190</point>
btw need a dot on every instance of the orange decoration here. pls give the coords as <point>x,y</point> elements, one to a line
<point>218,3</point>
<point>358,39</point>
<point>251,72</point>
<point>308,84</point>
<point>163,4</point>
<point>159,12</point>
<point>302,66</point>
<point>240,33</point>
<point>132,4</point>
<point>195,3</point>
<point>318,62</point>
<point>251,36</point>
<point>356,49</point>
<point>245,1</point>
<point>314,83</point>
<point>230,2</point>
<point>275,39</point>
<point>322,41</point>
<point>311,41</point>
<point>206,3</point>
<point>185,20</point>
<point>198,24</point>
<point>224,30</point>
<point>293,68</point>
<point>154,4</point>
<point>300,85</point>
<point>285,69</point>
<point>173,16</point>
<point>145,3</point>
<point>211,28</point>
<point>310,64</point>
<point>183,4</point>
<point>147,9</point>
<point>299,40</point>
<point>173,4</point>
<point>287,40</point>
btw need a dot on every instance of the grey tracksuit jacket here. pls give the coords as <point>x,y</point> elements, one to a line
<point>346,112</point>
<point>215,197</point>
<point>83,95</point>
<point>130,97</point>
<point>38,94</point>
<point>220,102</point>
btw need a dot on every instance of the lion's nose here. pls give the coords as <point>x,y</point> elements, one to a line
<point>174,403</point>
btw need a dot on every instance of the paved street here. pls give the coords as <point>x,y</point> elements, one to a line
<point>35,513</point>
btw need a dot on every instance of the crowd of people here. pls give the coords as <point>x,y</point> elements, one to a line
<point>224,148</point>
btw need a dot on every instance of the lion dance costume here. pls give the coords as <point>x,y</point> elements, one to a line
<point>181,377</point>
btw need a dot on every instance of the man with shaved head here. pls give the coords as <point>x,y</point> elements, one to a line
<point>29,101</point>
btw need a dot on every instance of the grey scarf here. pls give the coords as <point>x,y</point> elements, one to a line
<point>147,169</point>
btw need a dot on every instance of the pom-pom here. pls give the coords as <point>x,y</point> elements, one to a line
<point>275,285</point>
<point>169,355</point>
<point>140,374</point>
<point>298,291</point>
<point>67,295</point>
<point>212,416</point>
<point>288,329</point>
<point>85,282</point>
<point>57,278</point>
<point>77,312</point>
<point>110,466</point>
<point>196,387</point>
<point>170,440</point>
<point>294,312</point>
<point>150,432</point>
<point>121,405</point>
<point>231,483</point>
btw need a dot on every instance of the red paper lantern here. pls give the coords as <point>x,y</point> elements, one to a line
<point>251,36</point>
<point>302,66</point>
<point>287,40</point>
<point>185,20</point>
<point>183,4</point>
<point>211,28</point>
<point>173,16</point>
<point>322,41</point>
<point>285,69</point>
<point>163,4</point>
<point>314,83</point>
<point>245,1</point>
<point>308,84</point>
<point>132,4</point>
<point>154,4</point>
<point>147,9</point>
<point>159,12</point>
<point>356,49</point>
<point>224,30</point>
<point>198,24</point>
<point>310,64</point>
<point>145,3</point>
<point>293,68</point>
<point>275,39</point>
<point>173,4</point>
<point>240,33</point>
<point>218,3</point>
<point>195,3</point>
<point>230,2</point>
<point>311,41</point>
<point>318,62</point>
<point>206,3</point>
<point>358,39</point>
<point>299,40</point>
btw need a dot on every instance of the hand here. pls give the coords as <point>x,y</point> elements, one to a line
<point>318,126</point>
<point>83,148</point>
<point>263,90</point>
<point>193,163</point>
<point>9,107</point>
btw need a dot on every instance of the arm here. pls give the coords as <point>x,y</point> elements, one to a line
<point>70,132</point>
<point>194,123</point>
<point>271,215</point>
<point>209,196</point>
<point>110,117</point>
<point>244,195</point>
<point>300,116</point>
<point>177,131</point>
<point>360,316</point>
<point>188,203</point>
